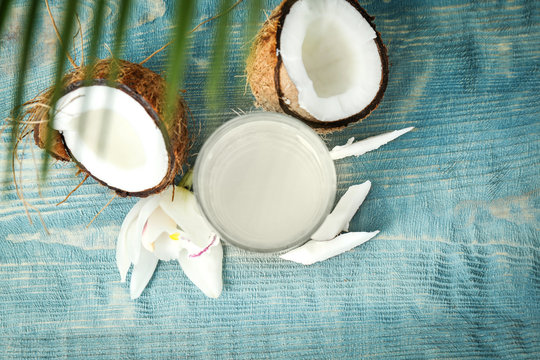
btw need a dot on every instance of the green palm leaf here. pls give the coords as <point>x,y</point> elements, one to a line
<point>175,64</point>
<point>219,54</point>
<point>177,54</point>
<point>24,54</point>
<point>5,6</point>
<point>65,36</point>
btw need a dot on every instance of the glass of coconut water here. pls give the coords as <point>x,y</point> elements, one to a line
<point>265,181</point>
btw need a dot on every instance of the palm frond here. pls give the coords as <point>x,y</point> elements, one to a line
<point>249,32</point>
<point>219,54</point>
<point>65,43</point>
<point>24,57</point>
<point>120,33</point>
<point>176,59</point>
<point>177,54</point>
<point>96,30</point>
<point>5,7</point>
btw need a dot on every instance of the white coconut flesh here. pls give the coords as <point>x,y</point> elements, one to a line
<point>329,51</point>
<point>113,136</point>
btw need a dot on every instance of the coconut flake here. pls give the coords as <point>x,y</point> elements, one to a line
<point>339,218</point>
<point>314,251</point>
<point>363,146</point>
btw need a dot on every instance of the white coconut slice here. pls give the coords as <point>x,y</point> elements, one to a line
<point>314,251</point>
<point>330,65</point>
<point>338,220</point>
<point>361,147</point>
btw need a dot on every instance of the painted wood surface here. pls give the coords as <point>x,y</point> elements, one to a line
<point>454,273</point>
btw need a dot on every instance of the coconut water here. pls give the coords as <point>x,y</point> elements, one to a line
<point>265,184</point>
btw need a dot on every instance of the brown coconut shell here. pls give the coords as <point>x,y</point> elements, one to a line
<point>143,85</point>
<point>273,88</point>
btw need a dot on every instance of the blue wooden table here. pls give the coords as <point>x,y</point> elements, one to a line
<point>454,273</point>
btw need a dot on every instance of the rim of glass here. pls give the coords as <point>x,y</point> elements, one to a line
<point>314,140</point>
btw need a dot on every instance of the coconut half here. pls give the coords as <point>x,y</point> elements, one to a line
<point>117,134</point>
<point>321,61</point>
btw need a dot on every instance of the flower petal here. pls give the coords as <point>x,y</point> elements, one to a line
<point>205,270</point>
<point>135,233</point>
<point>185,212</point>
<point>363,146</point>
<point>158,223</point>
<point>167,249</point>
<point>315,251</point>
<point>133,243</point>
<point>142,273</point>
<point>123,261</point>
<point>344,211</point>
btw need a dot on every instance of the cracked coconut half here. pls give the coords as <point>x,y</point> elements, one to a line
<point>321,61</point>
<point>118,134</point>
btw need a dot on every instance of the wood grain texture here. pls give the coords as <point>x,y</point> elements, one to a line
<point>454,273</point>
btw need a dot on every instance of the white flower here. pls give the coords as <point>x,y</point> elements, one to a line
<point>163,227</point>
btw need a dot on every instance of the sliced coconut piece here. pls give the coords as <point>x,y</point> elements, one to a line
<point>319,60</point>
<point>340,217</point>
<point>315,251</point>
<point>117,134</point>
<point>361,147</point>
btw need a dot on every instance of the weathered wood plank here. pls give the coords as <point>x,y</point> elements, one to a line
<point>454,273</point>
